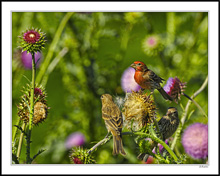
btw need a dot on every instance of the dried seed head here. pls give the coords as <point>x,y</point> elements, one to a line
<point>40,112</point>
<point>40,107</point>
<point>139,108</point>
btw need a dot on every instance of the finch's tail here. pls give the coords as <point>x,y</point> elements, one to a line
<point>164,94</point>
<point>118,146</point>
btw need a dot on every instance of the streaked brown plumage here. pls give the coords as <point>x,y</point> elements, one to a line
<point>113,121</point>
<point>168,124</point>
<point>147,79</point>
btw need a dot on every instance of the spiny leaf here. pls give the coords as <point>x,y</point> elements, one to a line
<point>21,129</point>
<point>38,153</point>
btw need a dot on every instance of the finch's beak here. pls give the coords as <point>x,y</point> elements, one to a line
<point>133,65</point>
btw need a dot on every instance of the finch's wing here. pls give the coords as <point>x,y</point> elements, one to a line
<point>112,117</point>
<point>152,76</point>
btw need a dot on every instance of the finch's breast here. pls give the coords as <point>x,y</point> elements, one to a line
<point>138,77</point>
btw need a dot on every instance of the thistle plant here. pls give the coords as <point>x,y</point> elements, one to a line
<point>80,156</point>
<point>32,108</point>
<point>139,117</point>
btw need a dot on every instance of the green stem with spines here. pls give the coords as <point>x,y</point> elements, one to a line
<point>185,112</point>
<point>31,110</point>
<point>156,139</point>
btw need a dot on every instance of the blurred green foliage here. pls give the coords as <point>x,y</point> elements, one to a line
<point>87,58</point>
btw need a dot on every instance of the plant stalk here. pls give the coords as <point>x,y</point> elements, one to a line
<point>31,109</point>
<point>20,141</point>
<point>179,129</point>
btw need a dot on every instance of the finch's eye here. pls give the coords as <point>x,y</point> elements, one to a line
<point>139,63</point>
<point>102,97</point>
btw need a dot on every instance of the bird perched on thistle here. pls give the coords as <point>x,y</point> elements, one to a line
<point>113,121</point>
<point>147,79</point>
<point>168,124</point>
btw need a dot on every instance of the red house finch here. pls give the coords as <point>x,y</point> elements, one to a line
<point>113,121</point>
<point>147,79</point>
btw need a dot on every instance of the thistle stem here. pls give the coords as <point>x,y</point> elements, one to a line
<point>105,140</point>
<point>31,109</point>
<point>179,129</point>
<point>20,141</point>
<point>53,46</point>
<point>198,106</point>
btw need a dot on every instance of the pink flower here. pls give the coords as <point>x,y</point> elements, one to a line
<point>150,160</point>
<point>127,81</point>
<point>27,59</point>
<point>75,139</point>
<point>174,88</point>
<point>77,161</point>
<point>31,36</point>
<point>38,91</point>
<point>160,147</point>
<point>195,140</point>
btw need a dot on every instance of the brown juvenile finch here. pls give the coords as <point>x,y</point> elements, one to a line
<point>169,123</point>
<point>113,121</point>
<point>147,79</point>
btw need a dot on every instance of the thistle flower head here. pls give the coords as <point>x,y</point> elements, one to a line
<point>32,40</point>
<point>195,141</point>
<point>128,83</point>
<point>75,139</point>
<point>160,147</point>
<point>81,156</point>
<point>40,107</point>
<point>152,44</point>
<point>139,109</point>
<point>174,88</point>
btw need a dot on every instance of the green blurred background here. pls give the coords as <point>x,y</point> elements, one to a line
<point>86,55</point>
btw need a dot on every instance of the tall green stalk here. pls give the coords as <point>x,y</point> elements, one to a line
<point>21,141</point>
<point>31,110</point>
<point>47,60</point>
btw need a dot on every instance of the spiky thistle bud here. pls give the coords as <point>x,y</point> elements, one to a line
<point>32,40</point>
<point>40,107</point>
<point>139,109</point>
<point>81,156</point>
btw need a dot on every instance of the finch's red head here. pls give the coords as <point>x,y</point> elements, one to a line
<point>138,65</point>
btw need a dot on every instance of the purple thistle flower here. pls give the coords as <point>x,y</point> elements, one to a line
<point>127,81</point>
<point>152,41</point>
<point>195,141</point>
<point>31,36</point>
<point>77,161</point>
<point>38,91</point>
<point>75,139</point>
<point>160,147</point>
<point>27,59</point>
<point>174,88</point>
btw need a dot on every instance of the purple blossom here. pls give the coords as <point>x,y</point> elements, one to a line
<point>27,59</point>
<point>75,139</point>
<point>127,81</point>
<point>174,88</point>
<point>151,41</point>
<point>31,36</point>
<point>195,141</point>
<point>160,147</point>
